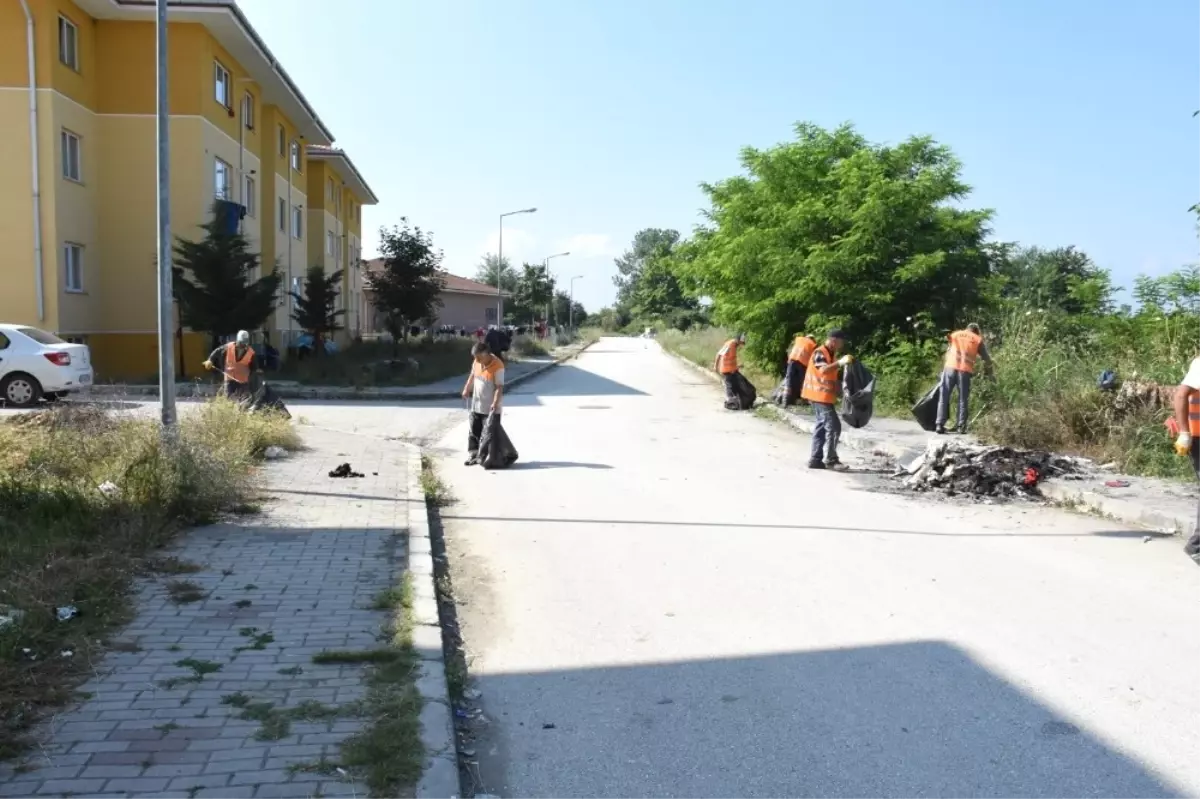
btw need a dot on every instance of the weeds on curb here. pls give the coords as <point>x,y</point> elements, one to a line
<point>437,493</point>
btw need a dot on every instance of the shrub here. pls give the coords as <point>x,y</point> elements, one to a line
<point>529,347</point>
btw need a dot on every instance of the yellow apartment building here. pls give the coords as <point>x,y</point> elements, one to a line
<point>336,194</point>
<point>78,209</point>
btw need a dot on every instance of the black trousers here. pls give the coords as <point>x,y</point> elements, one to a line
<point>795,380</point>
<point>476,430</point>
<point>236,390</point>
<point>1192,547</point>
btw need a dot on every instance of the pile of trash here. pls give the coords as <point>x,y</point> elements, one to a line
<point>954,466</point>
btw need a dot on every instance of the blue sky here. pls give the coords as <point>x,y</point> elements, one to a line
<point>1073,119</point>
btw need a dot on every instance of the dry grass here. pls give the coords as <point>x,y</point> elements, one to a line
<point>700,346</point>
<point>530,347</point>
<point>66,543</point>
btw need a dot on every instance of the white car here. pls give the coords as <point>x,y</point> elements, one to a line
<point>36,364</point>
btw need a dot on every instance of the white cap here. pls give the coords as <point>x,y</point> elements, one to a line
<point>243,337</point>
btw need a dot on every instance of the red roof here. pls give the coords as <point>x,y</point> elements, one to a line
<point>453,283</point>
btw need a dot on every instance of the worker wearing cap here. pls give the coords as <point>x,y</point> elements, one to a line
<point>821,389</point>
<point>726,363</point>
<point>799,357</point>
<point>966,346</point>
<point>1187,416</point>
<point>236,360</point>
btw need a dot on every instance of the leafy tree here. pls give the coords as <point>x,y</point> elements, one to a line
<point>408,288</point>
<point>1063,279</point>
<point>828,230</point>
<point>657,293</point>
<point>562,309</point>
<point>314,310</point>
<point>647,243</point>
<point>492,265</point>
<point>534,292</point>
<point>214,283</point>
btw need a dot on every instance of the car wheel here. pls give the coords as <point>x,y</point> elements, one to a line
<point>20,390</point>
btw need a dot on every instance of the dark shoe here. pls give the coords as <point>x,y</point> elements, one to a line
<point>837,466</point>
<point>472,459</point>
<point>961,430</point>
<point>816,465</point>
<point>940,430</point>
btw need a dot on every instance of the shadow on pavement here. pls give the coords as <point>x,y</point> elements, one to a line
<point>526,520</point>
<point>531,465</point>
<point>910,719</point>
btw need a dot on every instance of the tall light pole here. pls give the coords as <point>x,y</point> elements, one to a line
<point>546,264</point>
<point>500,263</point>
<point>571,305</point>
<point>166,307</point>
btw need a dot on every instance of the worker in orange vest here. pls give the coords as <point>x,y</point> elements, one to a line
<point>236,360</point>
<point>1187,416</point>
<point>821,389</point>
<point>966,346</point>
<point>797,365</point>
<point>726,363</point>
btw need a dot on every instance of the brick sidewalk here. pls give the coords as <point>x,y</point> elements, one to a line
<point>280,587</point>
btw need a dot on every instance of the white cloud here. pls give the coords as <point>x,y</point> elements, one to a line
<point>590,245</point>
<point>519,245</point>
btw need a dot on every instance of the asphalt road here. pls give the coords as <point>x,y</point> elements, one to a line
<point>659,600</point>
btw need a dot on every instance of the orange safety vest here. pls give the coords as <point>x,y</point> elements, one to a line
<point>235,370</point>
<point>821,385</point>
<point>964,349</point>
<point>802,350</point>
<point>1194,414</point>
<point>728,355</point>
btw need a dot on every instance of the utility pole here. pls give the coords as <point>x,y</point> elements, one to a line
<point>500,264</point>
<point>166,307</point>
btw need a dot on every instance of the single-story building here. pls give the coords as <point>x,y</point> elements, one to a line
<point>466,304</point>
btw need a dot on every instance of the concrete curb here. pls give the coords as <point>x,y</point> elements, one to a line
<point>1069,494</point>
<point>296,391</point>
<point>440,777</point>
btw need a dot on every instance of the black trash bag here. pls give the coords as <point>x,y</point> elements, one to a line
<point>265,399</point>
<point>1108,381</point>
<point>858,395</point>
<point>925,409</point>
<point>496,451</point>
<point>740,393</point>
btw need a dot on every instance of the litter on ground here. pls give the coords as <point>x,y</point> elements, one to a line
<point>956,467</point>
<point>345,471</point>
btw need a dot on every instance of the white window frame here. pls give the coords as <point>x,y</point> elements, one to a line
<point>295,156</point>
<point>248,111</point>
<point>331,190</point>
<point>329,242</point>
<point>222,85</point>
<point>68,43</point>
<point>248,195</point>
<point>72,267</point>
<point>72,160</point>
<point>283,215</point>
<point>220,168</point>
<point>297,222</point>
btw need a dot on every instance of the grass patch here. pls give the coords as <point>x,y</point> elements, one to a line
<point>372,364</point>
<point>65,543</point>
<point>530,347</point>
<point>354,656</point>
<point>700,346</point>
<point>258,640</point>
<point>183,592</point>
<point>172,565</point>
<point>388,753</point>
<point>436,491</point>
<point>291,671</point>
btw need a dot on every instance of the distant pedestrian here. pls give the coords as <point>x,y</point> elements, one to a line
<point>485,390</point>
<point>821,389</point>
<point>966,346</point>
<point>1187,416</point>
<point>726,365</point>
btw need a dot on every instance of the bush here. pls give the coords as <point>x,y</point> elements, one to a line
<point>529,347</point>
<point>67,542</point>
<point>381,363</point>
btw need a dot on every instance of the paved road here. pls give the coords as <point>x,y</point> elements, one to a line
<point>661,601</point>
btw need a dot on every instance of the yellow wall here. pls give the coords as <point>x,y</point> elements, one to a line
<point>134,356</point>
<point>126,81</point>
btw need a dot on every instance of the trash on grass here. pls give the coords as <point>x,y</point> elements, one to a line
<point>108,488</point>
<point>956,467</point>
<point>275,453</point>
<point>66,612</point>
<point>1117,483</point>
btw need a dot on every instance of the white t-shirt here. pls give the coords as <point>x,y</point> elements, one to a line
<point>1192,378</point>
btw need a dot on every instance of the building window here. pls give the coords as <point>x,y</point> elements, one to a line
<point>221,175</point>
<point>73,267</point>
<point>68,43</point>
<point>248,197</point>
<point>282,215</point>
<point>295,155</point>
<point>72,156</point>
<point>297,222</point>
<point>248,111</point>
<point>330,242</point>
<point>329,191</point>
<point>282,141</point>
<point>224,85</point>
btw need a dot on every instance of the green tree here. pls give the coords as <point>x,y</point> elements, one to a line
<point>658,294</point>
<point>533,293</point>
<point>314,309</point>
<point>215,284</point>
<point>1063,279</point>
<point>565,310</point>
<point>647,243</point>
<point>490,266</point>
<point>830,229</point>
<point>409,286</point>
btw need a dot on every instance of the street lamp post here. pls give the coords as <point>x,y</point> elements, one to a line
<point>546,264</point>
<point>500,263</point>
<point>166,307</point>
<point>571,305</point>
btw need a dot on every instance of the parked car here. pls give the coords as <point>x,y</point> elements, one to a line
<point>35,364</point>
